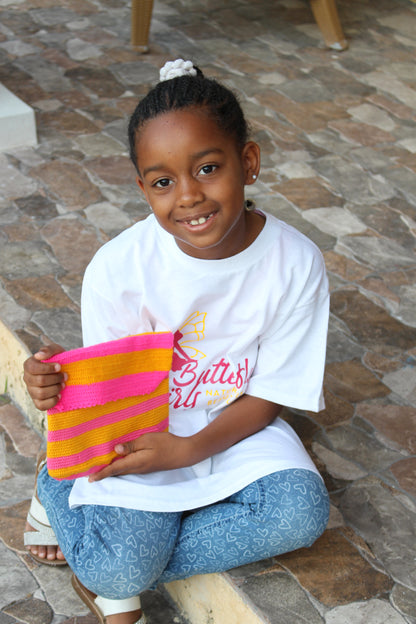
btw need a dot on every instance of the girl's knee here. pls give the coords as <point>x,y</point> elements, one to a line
<point>300,508</point>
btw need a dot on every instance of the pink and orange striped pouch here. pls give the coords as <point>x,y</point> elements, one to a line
<point>115,392</point>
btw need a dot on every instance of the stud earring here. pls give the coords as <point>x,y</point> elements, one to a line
<point>249,205</point>
<point>254,176</point>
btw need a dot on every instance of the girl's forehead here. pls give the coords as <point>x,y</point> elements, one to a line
<point>191,128</point>
<point>191,116</point>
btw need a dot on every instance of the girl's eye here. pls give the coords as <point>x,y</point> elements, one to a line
<point>163,183</point>
<point>206,169</point>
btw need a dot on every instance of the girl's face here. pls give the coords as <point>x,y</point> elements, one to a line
<point>193,177</point>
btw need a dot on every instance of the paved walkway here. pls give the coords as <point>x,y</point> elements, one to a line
<point>338,138</point>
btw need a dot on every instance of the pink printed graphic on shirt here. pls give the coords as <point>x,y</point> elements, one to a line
<point>222,381</point>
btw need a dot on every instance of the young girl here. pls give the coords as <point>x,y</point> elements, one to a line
<point>247,298</point>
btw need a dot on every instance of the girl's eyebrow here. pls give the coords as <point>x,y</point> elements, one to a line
<point>196,156</point>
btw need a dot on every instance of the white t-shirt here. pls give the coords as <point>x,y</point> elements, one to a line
<point>254,323</point>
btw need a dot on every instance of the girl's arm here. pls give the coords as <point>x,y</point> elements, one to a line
<point>165,451</point>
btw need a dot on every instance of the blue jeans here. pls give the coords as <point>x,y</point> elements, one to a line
<point>118,552</point>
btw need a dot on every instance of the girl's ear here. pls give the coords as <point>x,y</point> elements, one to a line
<point>140,184</point>
<point>251,162</point>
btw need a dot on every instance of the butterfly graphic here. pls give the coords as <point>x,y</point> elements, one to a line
<point>191,331</point>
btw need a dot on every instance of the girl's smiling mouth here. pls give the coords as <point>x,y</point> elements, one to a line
<point>194,222</point>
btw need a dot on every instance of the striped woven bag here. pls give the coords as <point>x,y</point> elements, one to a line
<point>115,392</point>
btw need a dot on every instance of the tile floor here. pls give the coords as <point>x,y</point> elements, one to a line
<point>338,139</point>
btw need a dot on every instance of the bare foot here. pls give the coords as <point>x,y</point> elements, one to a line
<point>51,553</point>
<point>124,618</point>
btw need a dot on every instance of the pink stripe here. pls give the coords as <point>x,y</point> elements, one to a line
<point>107,419</point>
<point>55,463</point>
<point>79,474</point>
<point>141,342</point>
<point>101,392</point>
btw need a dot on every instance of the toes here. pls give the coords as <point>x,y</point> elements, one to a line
<point>59,554</point>
<point>40,551</point>
<point>51,552</point>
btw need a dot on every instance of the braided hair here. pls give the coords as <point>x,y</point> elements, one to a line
<point>189,89</point>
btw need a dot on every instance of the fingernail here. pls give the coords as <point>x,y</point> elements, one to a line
<point>57,368</point>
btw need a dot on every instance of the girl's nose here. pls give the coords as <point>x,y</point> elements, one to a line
<point>189,192</point>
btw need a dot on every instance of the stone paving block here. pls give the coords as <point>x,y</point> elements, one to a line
<point>360,133</point>
<point>395,423</point>
<point>39,292</point>
<point>372,612</point>
<point>69,123</point>
<point>385,221</point>
<point>11,313</point>
<point>12,524</point>
<point>371,324</point>
<point>370,114</point>
<point>55,584</point>
<point>63,328</point>
<point>360,447</point>
<point>69,183</point>
<point>113,169</point>
<point>98,145</point>
<point>386,525</point>
<point>31,611</point>
<point>352,182</point>
<point>25,440</point>
<point>334,572</point>
<point>16,490</point>
<point>337,466</point>
<point>335,221</point>
<point>352,381</point>
<point>405,473</point>
<point>16,582</point>
<point>61,233</point>
<point>404,600</point>
<point>266,591</point>
<point>26,259</point>
<point>13,183</point>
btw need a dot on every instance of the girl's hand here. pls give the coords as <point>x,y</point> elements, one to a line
<point>149,453</point>
<point>44,381</point>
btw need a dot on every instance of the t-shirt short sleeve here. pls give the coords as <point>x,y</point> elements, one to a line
<point>290,363</point>
<point>291,354</point>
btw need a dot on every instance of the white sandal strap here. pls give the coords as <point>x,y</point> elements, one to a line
<point>111,607</point>
<point>37,511</point>
<point>40,537</point>
<point>38,520</point>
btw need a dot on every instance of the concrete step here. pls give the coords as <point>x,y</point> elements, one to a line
<point>215,599</point>
<point>17,121</point>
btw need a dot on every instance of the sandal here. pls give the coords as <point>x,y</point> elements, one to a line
<point>43,534</point>
<point>101,607</point>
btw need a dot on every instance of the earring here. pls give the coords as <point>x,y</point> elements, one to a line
<point>254,176</point>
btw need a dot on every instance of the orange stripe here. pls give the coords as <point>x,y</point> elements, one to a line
<point>108,367</point>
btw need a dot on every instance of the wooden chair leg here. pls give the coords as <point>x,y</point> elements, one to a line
<point>326,16</point>
<point>141,16</point>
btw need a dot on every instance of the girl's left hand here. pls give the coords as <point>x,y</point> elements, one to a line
<point>148,453</point>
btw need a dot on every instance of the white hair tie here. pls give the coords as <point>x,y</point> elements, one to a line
<point>174,69</point>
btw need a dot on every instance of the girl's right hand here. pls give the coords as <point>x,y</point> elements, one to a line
<point>44,380</point>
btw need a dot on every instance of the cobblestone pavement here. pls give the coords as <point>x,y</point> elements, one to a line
<point>338,139</point>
